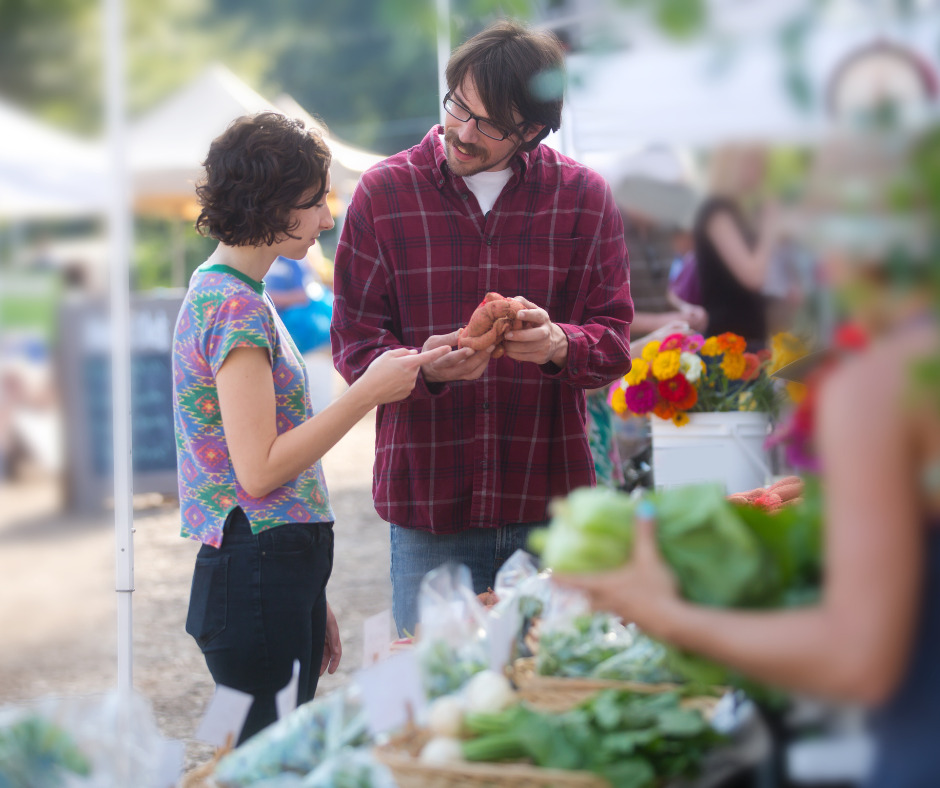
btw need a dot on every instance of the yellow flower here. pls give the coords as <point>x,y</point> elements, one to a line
<point>618,401</point>
<point>666,364</point>
<point>650,349</point>
<point>786,348</point>
<point>638,372</point>
<point>680,419</point>
<point>711,347</point>
<point>796,391</point>
<point>733,365</point>
<point>746,401</point>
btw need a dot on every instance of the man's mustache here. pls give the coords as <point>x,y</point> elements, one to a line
<point>452,138</point>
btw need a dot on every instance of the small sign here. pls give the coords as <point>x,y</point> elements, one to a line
<point>376,638</point>
<point>224,717</point>
<point>286,699</point>
<point>172,756</point>
<point>392,692</point>
<point>501,632</point>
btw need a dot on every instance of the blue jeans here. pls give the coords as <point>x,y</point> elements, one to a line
<point>257,603</point>
<point>414,553</point>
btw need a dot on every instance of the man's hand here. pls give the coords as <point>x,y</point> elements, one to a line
<point>461,364</point>
<point>539,341</point>
<point>332,648</point>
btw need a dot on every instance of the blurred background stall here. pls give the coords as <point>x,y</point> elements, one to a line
<point>655,88</point>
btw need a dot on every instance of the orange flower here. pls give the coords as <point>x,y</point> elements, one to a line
<point>665,410</point>
<point>731,343</point>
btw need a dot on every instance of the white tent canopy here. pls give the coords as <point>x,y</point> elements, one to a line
<point>701,95</point>
<point>169,144</point>
<point>45,172</point>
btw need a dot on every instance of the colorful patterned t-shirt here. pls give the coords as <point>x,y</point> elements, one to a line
<point>224,309</point>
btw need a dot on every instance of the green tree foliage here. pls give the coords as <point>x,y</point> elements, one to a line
<point>52,54</point>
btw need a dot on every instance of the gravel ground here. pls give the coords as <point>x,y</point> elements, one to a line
<point>58,607</point>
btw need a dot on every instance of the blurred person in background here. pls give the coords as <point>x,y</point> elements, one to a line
<point>653,248</point>
<point>249,446</point>
<point>466,466</point>
<point>302,302</point>
<point>874,638</point>
<point>734,239</point>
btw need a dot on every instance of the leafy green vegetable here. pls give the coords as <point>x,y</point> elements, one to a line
<point>589,530</point>
<point>444,669</point>
<point>576,650</point>
<point>631,740</point>
<point>35,751</point>
<point>723,554</point>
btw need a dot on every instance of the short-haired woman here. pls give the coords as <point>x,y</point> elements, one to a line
<point>249,445</point>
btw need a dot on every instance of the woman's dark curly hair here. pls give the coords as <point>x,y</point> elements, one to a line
<point>257,171</point>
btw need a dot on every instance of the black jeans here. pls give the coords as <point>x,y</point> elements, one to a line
<point>257,603</point>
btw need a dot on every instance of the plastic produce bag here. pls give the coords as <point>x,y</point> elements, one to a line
<point>350,768</point>
<point>574,647</point>
<point>297,743</point>
<point>88,742</point>
<point>453,643</point>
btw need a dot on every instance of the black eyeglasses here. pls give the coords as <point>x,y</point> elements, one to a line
<point>486,127</point>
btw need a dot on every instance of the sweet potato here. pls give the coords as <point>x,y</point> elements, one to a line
<point>489,323</point>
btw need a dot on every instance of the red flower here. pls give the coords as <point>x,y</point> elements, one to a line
<point>751,366</point>
<point>688,402</point>
<point>674,389</point>
<point>849,336</point>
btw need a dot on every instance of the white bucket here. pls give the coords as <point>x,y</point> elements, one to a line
<point>727,448</point>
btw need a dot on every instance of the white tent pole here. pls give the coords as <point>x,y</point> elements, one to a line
<point>120,234</point>
<point>443,50</point>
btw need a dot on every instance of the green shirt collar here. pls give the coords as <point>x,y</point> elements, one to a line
<point>221,268</point>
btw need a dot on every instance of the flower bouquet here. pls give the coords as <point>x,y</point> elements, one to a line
<point>685,374</point>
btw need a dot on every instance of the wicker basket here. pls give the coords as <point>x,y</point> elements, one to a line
<point>400,755</point>
<point>555,693</point>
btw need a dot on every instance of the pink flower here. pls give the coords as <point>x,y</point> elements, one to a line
<point>672,342</point>
<point>692,343</point>
<point>642,397</point>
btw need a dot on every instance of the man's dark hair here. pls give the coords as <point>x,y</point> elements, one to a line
<point>513,67</point>
<point>257,171</point>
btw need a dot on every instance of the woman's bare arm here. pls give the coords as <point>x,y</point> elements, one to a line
<point>263,460</point>
<point>854,644</point>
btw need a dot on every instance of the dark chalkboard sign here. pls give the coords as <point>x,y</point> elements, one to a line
<point>153,441</point>
<point>85,368</point>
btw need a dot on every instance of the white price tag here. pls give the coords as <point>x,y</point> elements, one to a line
<point>224,716</point>
<point>389,689</point>
<point>286,698</point>
<point>376,638</point>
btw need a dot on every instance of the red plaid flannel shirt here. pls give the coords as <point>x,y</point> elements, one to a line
<point>415,257</point>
